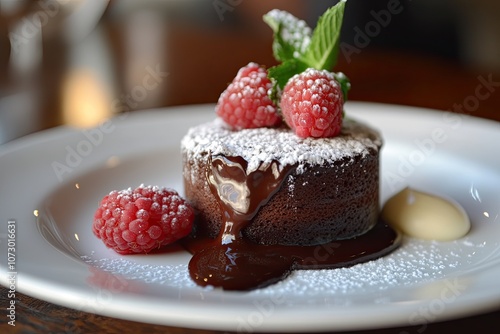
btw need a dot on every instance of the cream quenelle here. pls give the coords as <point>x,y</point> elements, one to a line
<point>426,216</point>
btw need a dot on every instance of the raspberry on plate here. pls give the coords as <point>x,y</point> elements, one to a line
<point>312,104</point>
<point>245,104</point>
<point>140,220</point>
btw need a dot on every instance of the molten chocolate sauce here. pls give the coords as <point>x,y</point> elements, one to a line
<point>234,263</point>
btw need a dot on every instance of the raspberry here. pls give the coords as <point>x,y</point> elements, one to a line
<point>245,104</point>
<point>312,104</point>
<point>140,220</point>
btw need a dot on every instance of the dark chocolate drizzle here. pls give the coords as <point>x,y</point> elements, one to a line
<point>232,262</point>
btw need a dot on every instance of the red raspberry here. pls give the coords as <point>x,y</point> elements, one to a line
<point>245,104</point>
<point>140,220</point>
<point>312,104</point>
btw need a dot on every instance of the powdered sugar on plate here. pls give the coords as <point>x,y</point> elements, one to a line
<point>415,262</point>
<point>259,147</point>
<point>169,275</point>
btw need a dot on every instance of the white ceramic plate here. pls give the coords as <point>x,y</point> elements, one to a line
<point>63,173</point>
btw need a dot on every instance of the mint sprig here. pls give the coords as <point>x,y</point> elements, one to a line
<point>323,50</point>
<point>298,49</point>
<point>286,70</point>
<point>345,84</point>
<point>291,35</point>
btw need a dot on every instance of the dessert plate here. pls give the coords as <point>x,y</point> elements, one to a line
<point>52,181</point>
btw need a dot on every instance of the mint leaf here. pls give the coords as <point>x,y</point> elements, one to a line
<point>345,84</point>
<point>298,49</point>
<point>282,49</point>
<point>323,49</point>
<point>291,35</point>
<point>284,71</point>
<point>280,74</point>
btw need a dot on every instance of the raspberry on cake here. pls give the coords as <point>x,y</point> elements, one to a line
<point>245,103</point>
<point>140,220</point>
<point>312,104</point>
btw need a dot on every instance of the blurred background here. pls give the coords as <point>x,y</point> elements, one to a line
<point>78,62</point>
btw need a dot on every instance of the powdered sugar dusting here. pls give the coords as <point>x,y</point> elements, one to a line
<point>259,147</point>
<point>415,262</point>
<point>170,275</point>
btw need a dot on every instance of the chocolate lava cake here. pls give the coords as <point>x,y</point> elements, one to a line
<point>320,190</point>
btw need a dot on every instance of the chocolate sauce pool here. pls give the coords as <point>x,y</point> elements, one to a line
<point>234,263</point>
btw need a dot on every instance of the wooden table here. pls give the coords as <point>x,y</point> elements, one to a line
<point>199,66</point>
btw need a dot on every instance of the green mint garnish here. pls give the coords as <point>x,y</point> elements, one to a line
<point>344,82</point>
<point>291,35</point>
<point>298,49</point>
<point>281,73</point>
<point>323,50</point>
